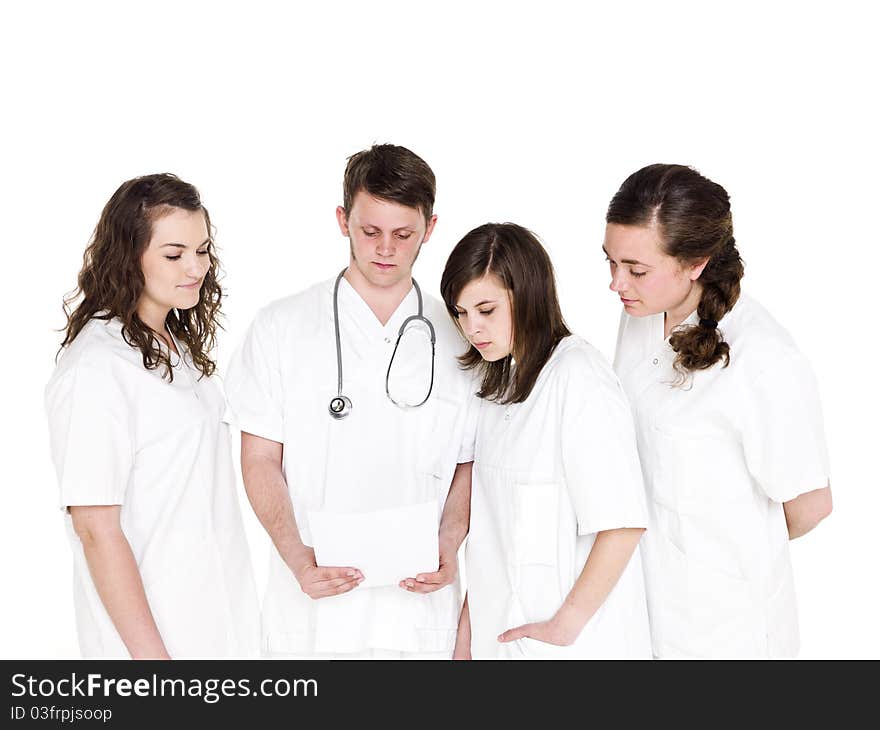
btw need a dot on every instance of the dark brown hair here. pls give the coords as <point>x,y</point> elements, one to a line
<point>389,172</point>
<point>111,280</point>
<point>692,216</point>
<point>515,256</point>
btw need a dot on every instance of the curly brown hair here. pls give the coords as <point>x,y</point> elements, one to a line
<point>111,280</point>
<point>693,216</point>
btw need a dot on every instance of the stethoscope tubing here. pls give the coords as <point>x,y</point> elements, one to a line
<point>340,405</point>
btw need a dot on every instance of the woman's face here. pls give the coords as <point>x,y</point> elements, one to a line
<point>174,263</point>
<point>485,315</point>
<point>647,280</point>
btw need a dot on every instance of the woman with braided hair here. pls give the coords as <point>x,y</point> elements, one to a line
<point>728,422</point>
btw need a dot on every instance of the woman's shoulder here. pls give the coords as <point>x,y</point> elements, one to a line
<point>576,360</point>
<point>99,346</point>
<point>755,337</point>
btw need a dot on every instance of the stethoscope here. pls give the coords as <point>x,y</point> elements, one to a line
<point>340,405</point>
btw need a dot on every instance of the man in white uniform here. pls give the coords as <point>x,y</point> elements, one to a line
<point>336,443</point>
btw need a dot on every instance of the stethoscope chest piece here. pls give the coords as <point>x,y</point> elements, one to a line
<point>340,406</point>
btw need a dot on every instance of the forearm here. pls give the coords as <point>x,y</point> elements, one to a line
<point>455,522</point>
<point>806,511</point>
<point>609,556</point>
<point>118,581</point>
<point>797,528</point>
<point>270,499</point>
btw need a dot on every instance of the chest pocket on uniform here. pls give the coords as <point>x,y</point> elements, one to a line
<point>438,440</point>
<point>693,471</point>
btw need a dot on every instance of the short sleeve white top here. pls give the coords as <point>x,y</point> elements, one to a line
<point>549,473</point>
<point>280,383</point>
<point>122,435</point>
<point>720,454</point>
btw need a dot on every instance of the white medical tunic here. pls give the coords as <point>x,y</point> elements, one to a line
<point>549,473</point>
<point>279,386</point>
<point>122,435</point>
<point>720,455</point>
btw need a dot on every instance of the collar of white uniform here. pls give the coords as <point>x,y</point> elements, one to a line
<point>692,319</point>
<point>409,305</point>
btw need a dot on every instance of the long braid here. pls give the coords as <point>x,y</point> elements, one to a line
<point>702,345</point>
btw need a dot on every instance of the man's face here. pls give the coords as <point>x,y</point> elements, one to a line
<point>385,239</point>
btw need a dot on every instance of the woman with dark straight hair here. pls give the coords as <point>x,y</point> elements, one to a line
<point>161,564</point>
<point>557,506</point>
<point>728,421</point>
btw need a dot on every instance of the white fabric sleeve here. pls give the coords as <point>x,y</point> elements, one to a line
<point>469,436</point>
<point>91,435</point>
<point>782,430</point>
<point>598,451</point>
<point>253,387</point>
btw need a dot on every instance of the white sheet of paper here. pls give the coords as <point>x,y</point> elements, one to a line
<point>386,545</point>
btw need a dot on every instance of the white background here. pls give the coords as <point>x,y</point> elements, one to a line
<point>529,112</point>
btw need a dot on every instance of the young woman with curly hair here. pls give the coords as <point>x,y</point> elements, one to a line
<point>143,458</point>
